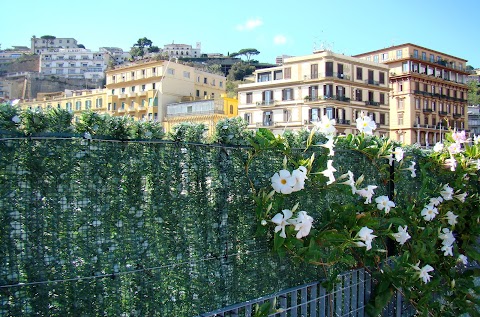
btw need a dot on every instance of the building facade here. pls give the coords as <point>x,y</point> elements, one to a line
<point>10,55</point>
<point>296,94</point>
<point>144,89</point>
<point>74,63</point>
<point>474,119</point>
<point>428,92</point>
<point>182,50</point>
<point>208,112</point>
<point>39,45</point>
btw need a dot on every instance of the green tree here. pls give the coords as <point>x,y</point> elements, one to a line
<point>138,48</point>
<point>473,93</point>
<point>469,68</point>
<point>240,70</point>
<point>153,49</point>
<point>247,52</point>
<point>48,39</point>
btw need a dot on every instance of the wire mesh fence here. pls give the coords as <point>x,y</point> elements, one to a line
<point>110,228</point>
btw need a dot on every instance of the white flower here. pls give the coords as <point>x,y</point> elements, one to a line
<point>461,197</point>
<point>459,137</point>
<point>447,250</point>
<point>225,127</point>
<point>398,154</point>
<point>303,224</point>
<point>436,201</point>
<point>411,168</point>
<point>384,203</point>
<point>329,172</point>
<point>451,218</point>
<point>365,235</point>
<point>16,119</point>
<point>462,258</point>
<point>438,147</point>
<point>454,148</point>
<point>429,212</point>
<point>96,223</point>
<point>15,102</point>
<point>350,182</point>
<point>365,124</point>
<point>447,192</point>
<point>476,139</point>
<point>329,145</point>
<point>451,163</point>
<point>402,235</point>
<point>87,136</point>
<point>281,221</point>
<point>367,193</point>
<point>423,272</point>
<point>283,182</point>
<point>300,174</point>
<point>447,237</point>
<point>326,126</point>
<point>263,222</point>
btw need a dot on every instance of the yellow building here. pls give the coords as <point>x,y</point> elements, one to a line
<point>429,92</point>
<point>145,90</point>
<point>208,112</point>
<point>298,93</point>
<point>76,101</point>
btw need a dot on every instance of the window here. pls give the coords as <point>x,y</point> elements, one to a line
<point>247,117</point>
<point>153,102</point>
<point>287,115</point>
<point>358,95</point>
<point>375,58</point>
<point>415,53</point>
<point>313,93</point>
<point>186,74</point>
<point>205,94</point>
<point>382,118</point>
<point>220,83</point>
<point>123,90</point>
<point>277,75</point>
<point>133,88</point>
<point>433,106</point>
<point>267,97</point>
<point>400,119</point>
<point>370,96</point>
<point>287,73</point>
<point>267,118</point>
<point>68,106</point>
<point>205,80</point>
<point>154,85</point>
<point>249,98</point>
<point>88,104</point>
<point>154,69</point>
<point>328,91</point>
<point>314,71</point>
<point>382,98</point>
<point>133,74</point>
<point>381,78</point>
<point>231,109</point>
<point>328,69</point>
<point>114,106</point>
<point>197,93</point>
<point>143,102</point>
<point>399,53</point>
<point>405,67</point>
<point>400,104</point>
<point>385,57</point>
<point>78,105</point>
<point>122,107</point>
<point>417,103</point>
<point>424,56</point>
<point>263,77</point>
<point>143,87</point>
<point>359,73</point>
<point>432,58</point>
<point>330,113</point>
<point>314,115</point>
<point>400,86</point>
<point>113,91</point>
<point>426,120</point>
<point>171,71</point>
<point>213,82</point>
<point>287,94</point>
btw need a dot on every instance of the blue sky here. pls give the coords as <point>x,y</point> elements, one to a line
<point>272,27</point>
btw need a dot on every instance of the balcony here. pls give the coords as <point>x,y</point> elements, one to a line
<point>457,115</point>
<point>265,103</point>
<point>372,82</point>
<point>121,110</point>
<point>342,121</point>
<point>335,75</point>
<point>122,96</point>
<point>265,124</point>
<point>142,93</point>
<point>372,103</point>
<point>443,113</point>
<point>427,110</point>
<point>310,98</point>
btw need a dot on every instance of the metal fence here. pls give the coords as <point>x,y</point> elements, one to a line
<point>347,299</point>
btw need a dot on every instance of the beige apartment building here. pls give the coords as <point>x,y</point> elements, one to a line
<point>428,92</point>
<point>296,94</point>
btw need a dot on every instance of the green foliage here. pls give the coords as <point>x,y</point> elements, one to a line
<point>188,132</point>
<point>473,93</point>
<point>232,131</point>
<point>247,52</point>
<point>9,117</point>
<point>239,71</point>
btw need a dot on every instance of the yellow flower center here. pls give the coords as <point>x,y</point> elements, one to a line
<point>283,181</point>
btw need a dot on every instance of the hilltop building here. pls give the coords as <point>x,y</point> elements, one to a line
<point>428,92</point>
<point>39,45</point>
<point>182,50</point>
<point>296,94</point>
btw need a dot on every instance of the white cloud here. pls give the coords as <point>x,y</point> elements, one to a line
<point>250,25</point>
<point>279,39</point>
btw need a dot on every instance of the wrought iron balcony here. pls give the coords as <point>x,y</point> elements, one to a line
<point>457,115</point>
<point>428,110</point>
<point>372,82</point>
<point>372,103</point>
<point>443,113</point>
<point>342,121</point>
<point>265,103</point>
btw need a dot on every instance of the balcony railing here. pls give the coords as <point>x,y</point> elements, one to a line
<point>336,97</point>
<point>265,124</point>
<point>343,121</point>
<point>443,113</point>
<point>372,82</point>
<point>265,103</point>
<point>372,103</point>
<point>429,110</point>
<point>311,98</point>
<point>457,115</point>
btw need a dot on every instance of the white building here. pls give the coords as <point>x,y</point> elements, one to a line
<point>182,50</point>
<point>116,54</point>
<point>39,45</point>
<point>9,55</point>
<point>74,63</point>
